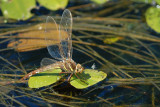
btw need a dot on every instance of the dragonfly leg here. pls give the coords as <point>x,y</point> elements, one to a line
<point>70,77</point>
<point>63,73</point>
<point>80,79</point>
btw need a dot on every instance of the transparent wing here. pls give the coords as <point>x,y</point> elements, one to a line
<point>52,38</point>
<point>47,61</point>
<point>65,30</point>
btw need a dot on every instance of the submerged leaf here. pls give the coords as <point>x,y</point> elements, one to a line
<point>44,78</point>
<point>54,4</point>
<point>88,78</point>
<point>152,18</point>
<point>148,1</point>
<point>33,38</point>
<point>145,1</point>
<point>17,9</point>
<point>112,40</point>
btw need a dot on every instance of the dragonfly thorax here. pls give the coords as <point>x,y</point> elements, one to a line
<point>70,66</point>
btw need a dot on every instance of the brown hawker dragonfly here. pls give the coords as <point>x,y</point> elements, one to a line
<point>62,51</point>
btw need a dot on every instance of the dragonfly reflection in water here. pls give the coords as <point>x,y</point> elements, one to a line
<point>62,52</point>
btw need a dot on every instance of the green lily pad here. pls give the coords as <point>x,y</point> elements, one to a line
<point>44,78</point>
<point>88,78</point>
<point>152,18</point>
<point>158,2</point>
<point>17,9</point>
<point>54,4</point>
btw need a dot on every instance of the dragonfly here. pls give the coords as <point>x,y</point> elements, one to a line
<point>62,51</point>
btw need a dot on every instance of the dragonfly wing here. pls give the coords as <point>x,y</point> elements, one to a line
<point>47,61</point>
<point>52,38</point>
<point>65,30</point>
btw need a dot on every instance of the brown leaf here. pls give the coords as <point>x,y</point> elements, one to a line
<point>34,38</point>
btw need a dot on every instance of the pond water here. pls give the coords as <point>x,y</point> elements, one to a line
<point>118,41</point>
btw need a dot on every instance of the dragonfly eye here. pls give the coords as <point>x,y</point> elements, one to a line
<point>79,68</point>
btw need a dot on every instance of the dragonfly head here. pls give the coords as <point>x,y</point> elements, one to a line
<point>79,68</point>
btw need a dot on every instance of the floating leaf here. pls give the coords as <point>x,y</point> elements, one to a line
<point>33,38</point>
<point>17,9</point>
<point>54,4</point>
<point>89,77</point>
<point>157,1</point>
<point>44,78</point>
<point>152,18</point>
<point>100,1</point>
<point>112,40</point>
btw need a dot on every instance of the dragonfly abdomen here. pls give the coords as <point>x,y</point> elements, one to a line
<point>52,66</point>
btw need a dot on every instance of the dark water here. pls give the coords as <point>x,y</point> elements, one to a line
<point>106,92</point>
